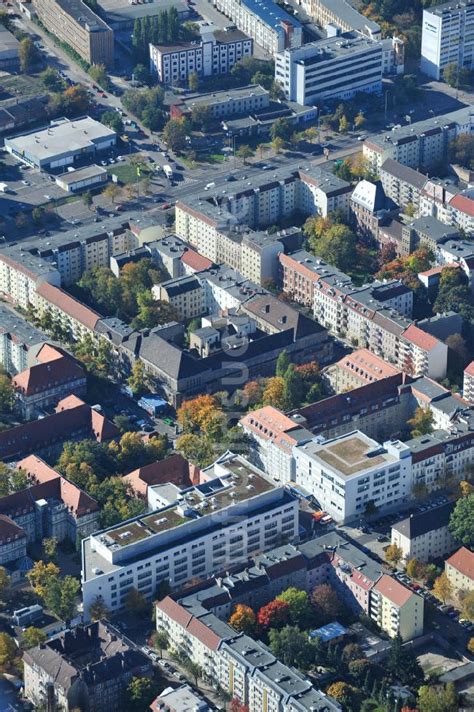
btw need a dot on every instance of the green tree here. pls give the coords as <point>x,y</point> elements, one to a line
<point>160,640</point>
<point>7,394</point>
<point>174,134</point>
<point>4,581</point>
<point>337,246</point>
<point>137,380</point>
<point>461,524</point>
<point>403,664</point>
<point>98,73</point>
<point>294,389</point>
<point>244,152</point>
<point>8,650</point>
<point>141,73</point>
<point>415,569</point>
<point>32,637</point>
<point>196,448</point>
<point>87,199</point>
<point>201,117</point>
<point>394,554</point>
<point>451,74</point>
<point>140,694</point>
<point>112,191</point>
<point>136,602</point>
<point>442,588</point>
<point>193,669</point>
<point>282,364</point>
<point>98,609</point>
<point>291,646</point>
<point>343,124</point>
<point>42,577</point>
<point>61,597</point>
<point>193,81</point>
<point>113,120</point>
<point>52,80</point>
<point>301,613</point>
<point>438,698</point>
<point>422,422</point>
<point>281,128</point>
<point>27,54</point>
<point>277,144</point>
<point>50,548</point>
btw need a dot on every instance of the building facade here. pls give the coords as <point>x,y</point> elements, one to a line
<point>459,569</point>
<point>425,535</point>
<point>396,609</point>
<point>447,37</point>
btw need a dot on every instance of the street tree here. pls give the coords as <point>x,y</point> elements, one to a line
<point>27,54</point>
<point>98,609</point>
<point>160,640</point>
<point>244,152</point>
<point>174,134</point>
<point>442,588</point>
<point>8,650</point>
<point>394,554</point>
<point>98,73</point>
<point>113,120</point>
<point>136,602</point>
<point>461,524</point>
<point>193,81</point>
<point>140,694</point>
<point>87,199</point>
<point>112,191</point>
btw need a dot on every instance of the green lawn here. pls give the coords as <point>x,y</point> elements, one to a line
<point>127,173</point>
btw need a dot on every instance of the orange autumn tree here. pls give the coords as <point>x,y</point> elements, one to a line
<point>243,619</point>
<point>200,414</point>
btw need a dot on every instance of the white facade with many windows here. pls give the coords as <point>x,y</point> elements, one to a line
<point>447,37</point>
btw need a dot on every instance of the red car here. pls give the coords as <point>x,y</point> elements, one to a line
<point>165,206</point>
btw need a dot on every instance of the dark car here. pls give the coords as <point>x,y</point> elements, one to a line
<point>230,179</point>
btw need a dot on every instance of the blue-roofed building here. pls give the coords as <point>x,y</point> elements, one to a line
<point>267,23</point>
<point>153,404</point>
<point>329,632</point>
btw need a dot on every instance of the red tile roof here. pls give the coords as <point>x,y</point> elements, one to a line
<point>392,589</point>
<point>56,372</point>
<point>58,488</point>
<point>188,622</point>
<point>463,203</point>
<point>469,370</point>
<point>196,261</point>
<point>367,366</point>
<point>70,306</point>
<point>37,469</point>
<point>420,338</point>
<point>65,424</point>
<point>463,561</point>
<point>175,469</point>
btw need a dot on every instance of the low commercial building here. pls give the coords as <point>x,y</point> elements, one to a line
<point>348,473</point>
<point>459,569</point>
<point>87,667</point>
<point>423,144</point>
<point>216,53</point>
<point>225,103</point>
<point>396,609</point>
<point>334,68</point>
<point>343,15</point>
<point>203,530</point>
<point>82,179</point>
<point>73,22</point>
<point>425,535</point>
<point>267,23</point>
<point>121,14</point>
<point>55,375</point>
<point>179,699</point>
<point>9,55</point>
<point>62,142</point>
<point>447,37</point>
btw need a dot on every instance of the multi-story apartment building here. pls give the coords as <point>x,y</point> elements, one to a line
<point>468,384</point>
<point>54,376</point>
<point>270,198</point>
<point>184,294</point>
<point>459,569</point>
<point>51,507</point>
<point>205,529</point>
<point>73,419</point>
<point>334,68</point>
<point>425,535</point>
<point>87,667</point>
<point>19,341</point>
<point>457,252</point>
<point>19,279</point>
<point>270,27</point>
<point>396,609</point>
<point>422,144</point>
<point>73,316</point>
<point>216,53</point>
<point>225,103</point>
<point>401,183</point>
<point>348,472</point>
<point>447,37</point>
<point>274,435</point>
<point>73,22</point>
<point>356,369</point>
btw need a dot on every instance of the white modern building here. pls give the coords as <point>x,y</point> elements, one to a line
<point>447,37</point>
<point>61,143</point>
<point>425,535</point>
<point>468,383</point>
<point>215,53</point>
<point>348,472</point>
<point>336,67</point>
<point>265,21</point>
<point>202,530</point>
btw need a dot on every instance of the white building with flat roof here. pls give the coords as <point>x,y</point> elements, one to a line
<point>204,530</point>
<point>447,37</point>
<point>347,472</point>
<point>61,143</point>
<point>336,67</point>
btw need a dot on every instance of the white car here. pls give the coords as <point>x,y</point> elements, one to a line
<point>120,158</point>
<point>25,182</point>
<point>103,163</point>
<point>48,197</point>
<point>111,160</point>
